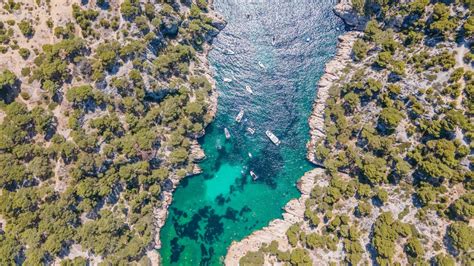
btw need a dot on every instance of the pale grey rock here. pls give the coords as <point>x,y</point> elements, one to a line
<point>332,73</point>
<point>346,12</point>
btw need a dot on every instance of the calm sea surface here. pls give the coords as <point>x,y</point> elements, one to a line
<point>292,40</point>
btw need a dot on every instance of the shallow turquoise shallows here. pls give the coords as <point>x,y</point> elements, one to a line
<point>279,49</point>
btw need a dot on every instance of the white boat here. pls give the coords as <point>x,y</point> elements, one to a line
<point>229,52</point>
<point>249,89</point>
<point>308,39</point>
<point>250,155</point>
<point>227,133</point>
<point>253,175</point>
<point>261,64</point>
<point>272,137</point>
<point>239,116</point>
<point>227,80</point>
<point>251,130</point>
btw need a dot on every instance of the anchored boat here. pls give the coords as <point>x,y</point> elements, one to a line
<point>239,116</point>
<point>272,137</point>
<point>227,133</point>
<point>249,89</point>
<point>227,80</point>
<point>229,52</point>
<point>251,130</point>
<point>253,175</point>
<point>261,64</point>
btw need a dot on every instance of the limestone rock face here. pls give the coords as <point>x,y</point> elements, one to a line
<point>197,153</point>
<point>276,230</point>
<point>346,12</point>
<point>331,74</point>
<point>219,24</point>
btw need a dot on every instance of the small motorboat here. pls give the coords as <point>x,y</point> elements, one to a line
<point>248,89</point>
<point>250,155</point>
<point>227,80</point>
<point>260,64</point>
<point>253,175</point>
<point>308,39</point>
<point>229,52</point>
<point>251,130</point>
<point>227,133</point>
<point>272,137</point>
<point>273,40</point>
<point>239,116</point>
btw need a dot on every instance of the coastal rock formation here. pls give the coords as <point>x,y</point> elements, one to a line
<point>332,73</point>
<point>101,103</point>
<point>197,153</point>
<point>276,230</point>
<point>294,210</point>
<point>345,10</point>
<point>392,127</point>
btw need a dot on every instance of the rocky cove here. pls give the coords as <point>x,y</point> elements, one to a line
<point>155,133</point>
<point>373,133</point>
<point>294,210</point>
<point>197,154</point>
<point>223,203</point>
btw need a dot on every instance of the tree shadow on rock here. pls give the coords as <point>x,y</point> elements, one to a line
<point>8,93</point>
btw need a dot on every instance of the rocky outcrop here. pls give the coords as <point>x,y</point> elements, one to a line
<point>219,24</point>
<point>331,74</point>
<point>161,212</point>
<point>351,17</point>
<point>276,230</point>
<point>197,153</point>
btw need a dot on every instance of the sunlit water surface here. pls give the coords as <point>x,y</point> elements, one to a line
<point>292,40</point>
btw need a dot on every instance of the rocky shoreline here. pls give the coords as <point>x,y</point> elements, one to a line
<point>197,153</point>
<point>349,15</point>
<point>276,230</point>
<point>331,74</point>
<point>294,209</point>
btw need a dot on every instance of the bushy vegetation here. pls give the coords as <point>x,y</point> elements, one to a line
<point>398,130</point>
<point>26,28</point>
<point>87,162</point>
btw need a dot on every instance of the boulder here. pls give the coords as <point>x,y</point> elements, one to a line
<point>167,185</point>
<point>351,18</point>
<point>218,24</point>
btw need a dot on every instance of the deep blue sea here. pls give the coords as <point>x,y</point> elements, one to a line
<point>292,40</point>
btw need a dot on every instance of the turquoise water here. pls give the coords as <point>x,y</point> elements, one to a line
<point>293,40</point>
